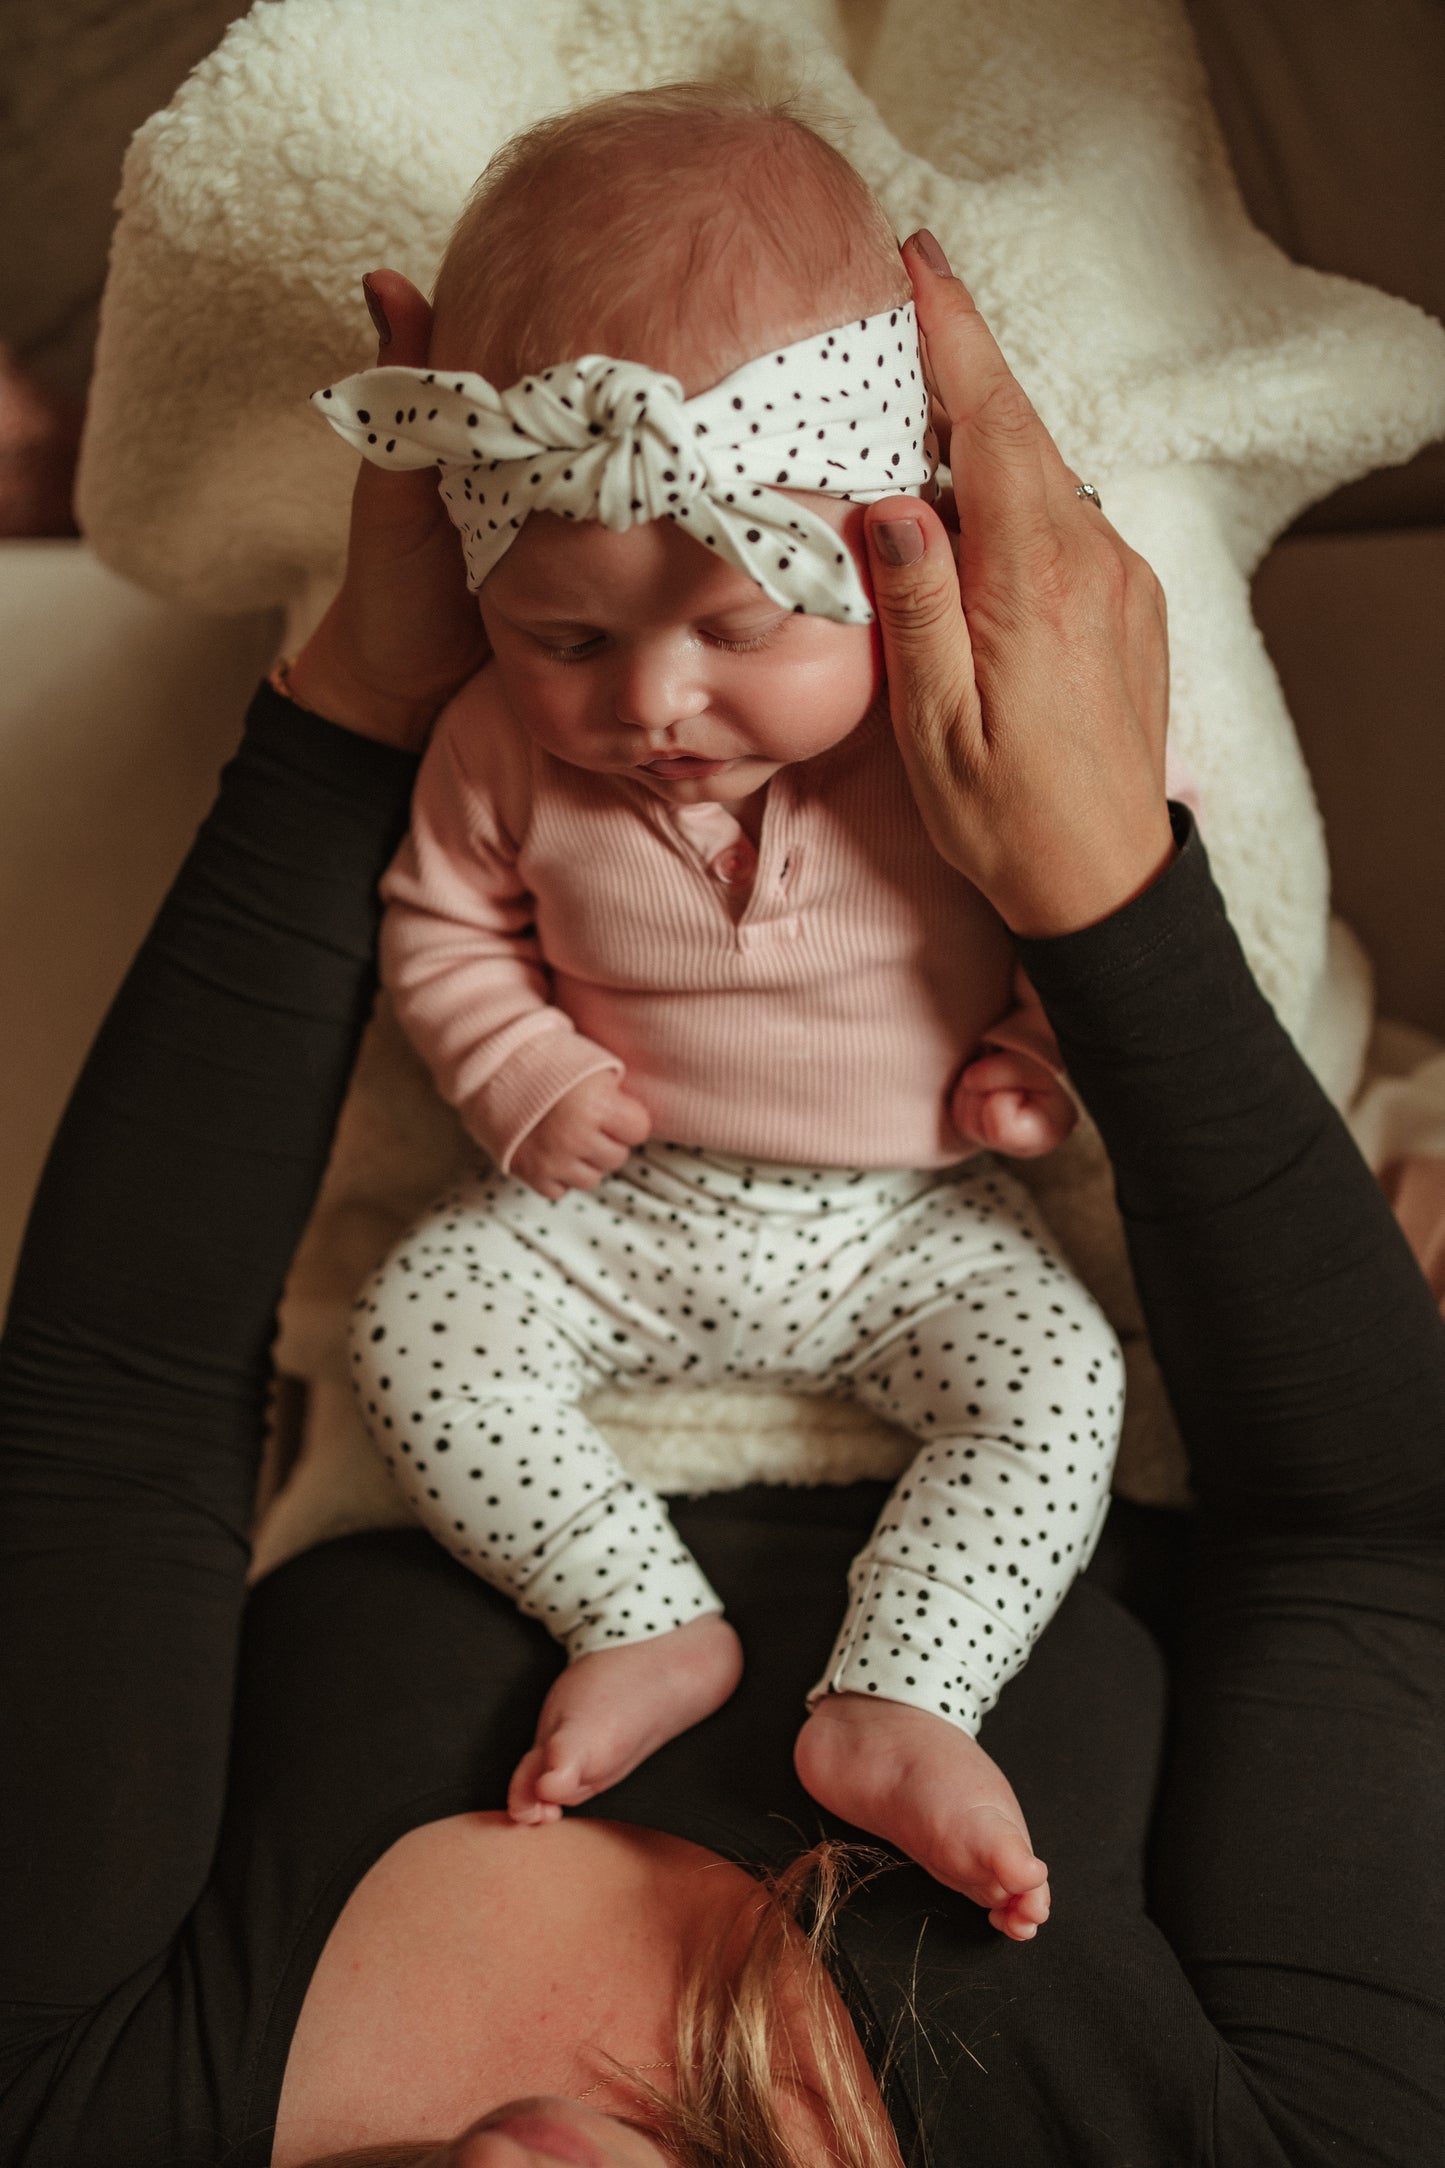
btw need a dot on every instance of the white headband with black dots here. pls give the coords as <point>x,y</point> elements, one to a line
<point>845,412</point>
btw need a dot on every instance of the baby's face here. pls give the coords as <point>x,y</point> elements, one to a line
<point>644,654</point>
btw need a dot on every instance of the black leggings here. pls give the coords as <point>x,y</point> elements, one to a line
<point>1296,1848</point>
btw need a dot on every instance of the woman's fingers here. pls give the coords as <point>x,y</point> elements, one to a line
<point>403,505</point>
<point>1007,472</point>
<point>1026,663</point>
<point>927,654</point>
<point>402,317</point>
<point>1146,649</point>
<point>403,633</point>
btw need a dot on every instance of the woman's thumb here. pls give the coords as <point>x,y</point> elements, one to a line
<point>926,650</point>
<point>401,505</point>
<point>402,317</point>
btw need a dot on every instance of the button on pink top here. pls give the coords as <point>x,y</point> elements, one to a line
<point>719,841</point>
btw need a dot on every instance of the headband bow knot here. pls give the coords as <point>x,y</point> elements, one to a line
<point>844,412</point>
<point>619,432</point>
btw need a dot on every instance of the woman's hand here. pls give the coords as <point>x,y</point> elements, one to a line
<point>1028,676</point>
<point>403,633</point>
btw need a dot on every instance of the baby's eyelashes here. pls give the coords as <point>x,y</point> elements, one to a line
<point>583,650</point>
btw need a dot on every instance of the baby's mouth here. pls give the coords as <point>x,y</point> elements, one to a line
<point>674,766</point>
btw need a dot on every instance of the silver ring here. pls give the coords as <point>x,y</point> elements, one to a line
<point>1087,489</point>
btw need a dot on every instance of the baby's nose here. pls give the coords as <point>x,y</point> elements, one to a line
<point>655,696</point>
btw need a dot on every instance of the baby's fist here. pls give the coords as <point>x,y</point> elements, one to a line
<point>1012,1104</point>
<point>586,1135</point>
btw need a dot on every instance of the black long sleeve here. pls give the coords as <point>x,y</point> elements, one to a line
<point>1300,1826</point>
<point>1304,1355</point>
<point>134,1368</point>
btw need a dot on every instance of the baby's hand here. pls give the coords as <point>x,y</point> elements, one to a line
<point>587,1134</point>
<point>1011,1103</point>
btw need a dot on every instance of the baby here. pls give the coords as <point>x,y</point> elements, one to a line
<point>670,933</point>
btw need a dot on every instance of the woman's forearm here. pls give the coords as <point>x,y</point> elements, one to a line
<point>197,1131</point>
<point>135,1364</point>
<point>1302,1350</point>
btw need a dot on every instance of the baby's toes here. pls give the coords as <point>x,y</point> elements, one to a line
<point>1021,1913</point>
<point>1011,1862</point>
<point>1008,1922</point>
<point>1033,1905</point>
<point>523,1803</point>
<point>1021,1917</point>
<point>571,1770</point>
<point>993,1858</point>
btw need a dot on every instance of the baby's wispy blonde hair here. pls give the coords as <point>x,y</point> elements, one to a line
<point>691,227</point>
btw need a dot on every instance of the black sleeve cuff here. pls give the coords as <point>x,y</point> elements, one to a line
<point>1196,1088</point>
<point>326,756</point>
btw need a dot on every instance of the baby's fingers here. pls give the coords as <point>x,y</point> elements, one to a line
<point>628,1122</point>
<point>584,1173</point>
<point>604,1153</point>
<point>553,1178</point>
<point>1023,1125</point>
<point>1004,1069</point>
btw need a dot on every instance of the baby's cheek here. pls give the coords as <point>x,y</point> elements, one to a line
<point>824,694</point>
<point>860,666</point>
<point>855,540</point>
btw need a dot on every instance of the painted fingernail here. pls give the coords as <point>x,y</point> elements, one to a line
<point>376,312</point>
<point>897,541</point>
<point>931,253</point>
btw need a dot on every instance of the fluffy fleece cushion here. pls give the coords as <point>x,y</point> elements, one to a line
<point>1065,153</point>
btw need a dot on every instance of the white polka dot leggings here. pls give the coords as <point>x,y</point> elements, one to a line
<point>938,1299</point>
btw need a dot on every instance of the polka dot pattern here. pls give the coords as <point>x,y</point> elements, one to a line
<point>939,1298</point>
<point>844,412</point>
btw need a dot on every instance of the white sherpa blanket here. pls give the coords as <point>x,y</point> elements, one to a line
<point>1065,154</point>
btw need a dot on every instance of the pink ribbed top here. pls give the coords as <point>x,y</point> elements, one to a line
<point>812,1003</point>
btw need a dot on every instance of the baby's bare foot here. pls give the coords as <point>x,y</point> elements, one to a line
<point>924,1785</point>
<point>608,1711</point>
